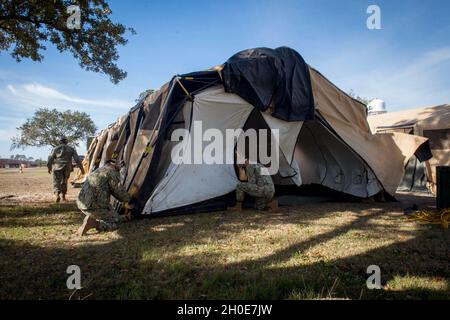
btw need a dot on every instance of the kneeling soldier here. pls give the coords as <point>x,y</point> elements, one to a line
<point>259,186</point>
<point>95,196</point>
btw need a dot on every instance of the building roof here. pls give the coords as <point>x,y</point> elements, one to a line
<point>430,117</point>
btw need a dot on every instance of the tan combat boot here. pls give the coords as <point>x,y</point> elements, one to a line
<point>64,197</point>
<point>273,206</point>
<point>237,207</point>
<point>58,199</point>
<point>88,224</point>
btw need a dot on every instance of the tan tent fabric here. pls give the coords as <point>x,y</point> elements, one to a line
<point>91,150</point>
<point>348,118</point>
<point>87,161</point>
<point>79,178</point>
<point>113,138</point>
<point>131,139</point>
<point>407,144</point>
<point>137,165</point>
<point>96,157</point>
<point>430,122</point>
<point>337,104</point>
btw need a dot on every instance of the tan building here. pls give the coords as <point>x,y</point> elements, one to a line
<point>429,122</point>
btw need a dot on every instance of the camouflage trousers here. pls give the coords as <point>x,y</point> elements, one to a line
<point>60,178</point>
<point>107,219</point>
<point>263,195</point>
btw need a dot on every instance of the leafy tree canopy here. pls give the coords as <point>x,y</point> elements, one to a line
<point>27,26</point>
<point>48,126</point>
<point>21,157</point>
<point>364,100</point>
<point>144,94</point>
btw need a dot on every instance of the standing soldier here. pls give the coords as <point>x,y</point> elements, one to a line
<point>259,185</point>
<point>60,164</point>
<point>94,199</point>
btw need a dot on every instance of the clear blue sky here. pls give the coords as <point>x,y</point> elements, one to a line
<point>406,63</point>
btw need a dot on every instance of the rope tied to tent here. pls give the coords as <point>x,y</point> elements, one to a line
<point>441,217</point>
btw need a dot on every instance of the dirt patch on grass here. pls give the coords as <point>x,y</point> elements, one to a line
<point>33,186</point>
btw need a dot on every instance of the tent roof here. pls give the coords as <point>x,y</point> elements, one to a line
<point>429,117</point>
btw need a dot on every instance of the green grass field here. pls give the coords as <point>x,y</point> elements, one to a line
<point>306,252</point>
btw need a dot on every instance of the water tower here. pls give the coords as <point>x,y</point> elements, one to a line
<point>376,106</point>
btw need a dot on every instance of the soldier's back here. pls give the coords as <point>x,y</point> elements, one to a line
<point>63,156</point>
<point>260,173</point>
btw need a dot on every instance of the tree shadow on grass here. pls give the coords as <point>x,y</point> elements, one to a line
<point>42,214</point>
<point>215,256</point>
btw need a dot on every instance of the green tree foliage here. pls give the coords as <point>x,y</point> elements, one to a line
<point>144,94</point>
<point>20,157</point>
<point>40,162</point>
<point>27,26</point>
<point>363,100</point>
<point>48,126</point>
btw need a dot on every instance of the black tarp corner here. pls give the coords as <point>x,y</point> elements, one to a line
<point>276,78</point>
<point>423,152</point>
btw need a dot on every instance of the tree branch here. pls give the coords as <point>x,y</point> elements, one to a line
<point>37,23</point>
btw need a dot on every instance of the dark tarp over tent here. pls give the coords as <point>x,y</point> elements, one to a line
<point>275,78</point>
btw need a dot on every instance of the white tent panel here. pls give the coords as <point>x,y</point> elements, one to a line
<point>185,183</point>
<point>288,134</point>
<point>289,131</point>
<point>325,160</point>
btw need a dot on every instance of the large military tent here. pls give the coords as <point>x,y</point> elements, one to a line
<point>324,137</point>
<point>429,122</point>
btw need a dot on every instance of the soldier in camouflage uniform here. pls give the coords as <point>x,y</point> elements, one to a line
<point>60,164</point>
<point>94,199</point>
<point>259,186</point>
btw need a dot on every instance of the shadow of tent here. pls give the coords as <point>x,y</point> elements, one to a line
<point>141,263</point>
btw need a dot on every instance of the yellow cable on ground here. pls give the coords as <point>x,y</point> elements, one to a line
<point>441,217</point>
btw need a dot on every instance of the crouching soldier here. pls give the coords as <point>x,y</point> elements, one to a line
<point>95,196</point>
<point>259,185</point>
